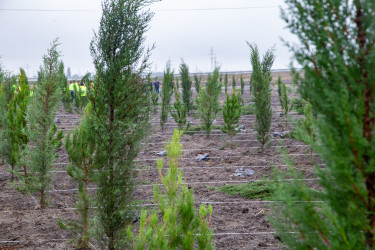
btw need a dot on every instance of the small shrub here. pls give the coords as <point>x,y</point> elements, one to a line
<point>252,190</point>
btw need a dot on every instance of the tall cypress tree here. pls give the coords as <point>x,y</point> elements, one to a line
<point>186,87</point>
<point>234,82</point>
<point>226,83</point>
<point>339,83</point>
<point>121,112</point>
<point>261,79</point>
<point>285,102</point>
<point>166,94</point>
<point>41,152</point>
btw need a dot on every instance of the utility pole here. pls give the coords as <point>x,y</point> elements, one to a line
<point>213,59</point>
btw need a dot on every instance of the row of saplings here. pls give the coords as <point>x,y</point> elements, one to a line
<point>30,140</point>
<point>208,107</point>
<point>29,146</point>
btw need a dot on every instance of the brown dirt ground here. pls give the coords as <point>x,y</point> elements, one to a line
<point>22,220</point>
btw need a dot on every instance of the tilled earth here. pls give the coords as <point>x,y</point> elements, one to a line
<point>238,223</point>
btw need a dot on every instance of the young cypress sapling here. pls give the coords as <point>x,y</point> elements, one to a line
<point>121,113</point>
<point>336,52</point>
<point>208,101</point>
<point>166,94</point>
<point>231,115</point>
<point>179,226</point>
<point>306,128</point>
<point>242,81</point>
<point>177,84</point>
<point>6,96</point>
<point>186,87</point>
<point>80,146</point>
<point>41,152</point>
<point>226,83</point>
<point>234,82</point>
<point>286,105</point>
<point>197,83</point>
<point>261,78</point>
<point>17,131</point>
<point>179,115</point>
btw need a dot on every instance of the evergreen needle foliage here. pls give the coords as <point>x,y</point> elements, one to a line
<point>234,82</point>
<point>80,146</point>
<point>120,113</point>
<point>197,83</point>
<point>179,115</point>
<point>166,94</point>
<point>208,101</point>
<point>336,52</point>
<point>231,115</point>
<point>176,224</point>
<point>177,84</point>
<point>226,83</point>
<point>155,99</point>
<point>242,85</point>
<point>186,87</point>
<point>306,128</point>
<point>41,153</point>
<point>285,102</point>
<point>17,131</point>
<point>6,96</point>
<point>260,79</point>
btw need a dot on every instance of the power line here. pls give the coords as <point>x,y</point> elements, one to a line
<point>156,10</point>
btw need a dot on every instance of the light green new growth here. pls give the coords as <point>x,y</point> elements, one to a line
<point>231,115</point>
<point>176,224</point>
<point>208,101</point>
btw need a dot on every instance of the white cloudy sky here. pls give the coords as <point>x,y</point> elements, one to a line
<point>180,29</point>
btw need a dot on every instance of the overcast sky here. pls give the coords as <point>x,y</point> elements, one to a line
<point>185,29</point>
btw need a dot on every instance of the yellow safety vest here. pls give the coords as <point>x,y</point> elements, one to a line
<point>83,90</point>
<point>71,87</point>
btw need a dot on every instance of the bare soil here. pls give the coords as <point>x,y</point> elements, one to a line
<point>238,223</point>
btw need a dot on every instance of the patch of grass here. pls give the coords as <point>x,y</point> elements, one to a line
<point>251,190</point>
<point>191,130</point>
<point>248,109</point>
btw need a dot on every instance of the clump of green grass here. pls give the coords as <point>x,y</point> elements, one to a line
<point>252,190</point>
<point>190,130</point>
<point>248,109</point>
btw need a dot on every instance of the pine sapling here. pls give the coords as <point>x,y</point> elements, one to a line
<point>41,152</point>
<point>176,224</point>
<point>285,102</point>
<point>186,87</point>
<point>208,101</point>
<point>231,115</point>
<point>179,114</point>
<point>166,95</point>
<point>260,79</point>
<point>197,83</point>
<point>80,146</point>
